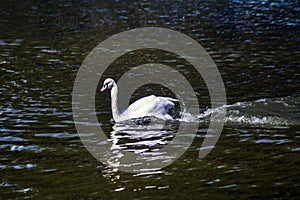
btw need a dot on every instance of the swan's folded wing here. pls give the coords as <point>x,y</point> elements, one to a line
<point>150,106</point>
<point>142,105</point>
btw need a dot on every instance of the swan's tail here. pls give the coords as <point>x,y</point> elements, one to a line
<point>170,99</point>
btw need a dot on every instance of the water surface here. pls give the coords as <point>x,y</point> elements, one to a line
<point>256,48</point>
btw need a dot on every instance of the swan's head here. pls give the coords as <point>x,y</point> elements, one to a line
<point>108,84</point>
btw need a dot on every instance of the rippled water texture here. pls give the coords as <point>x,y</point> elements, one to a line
<point>255,45</point>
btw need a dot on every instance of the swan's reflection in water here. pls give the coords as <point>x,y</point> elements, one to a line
<point>139,138</point>
<point>145,141</point>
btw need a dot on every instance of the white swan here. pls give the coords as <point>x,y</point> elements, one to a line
<point>150,106</point>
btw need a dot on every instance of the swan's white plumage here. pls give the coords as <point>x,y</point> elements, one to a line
<point>151,106</point>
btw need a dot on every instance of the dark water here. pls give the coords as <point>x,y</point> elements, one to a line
<point>255,45</point>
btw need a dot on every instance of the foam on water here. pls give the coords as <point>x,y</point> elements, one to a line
<point>272,111</point>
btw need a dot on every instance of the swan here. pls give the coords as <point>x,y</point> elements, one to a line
<point>149,106</point>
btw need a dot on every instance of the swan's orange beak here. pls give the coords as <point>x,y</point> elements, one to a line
<point>104,87</point>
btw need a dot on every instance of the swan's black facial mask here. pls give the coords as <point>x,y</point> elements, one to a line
<point>106,86</point>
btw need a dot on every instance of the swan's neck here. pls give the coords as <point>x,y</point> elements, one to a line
<point>114,103</point>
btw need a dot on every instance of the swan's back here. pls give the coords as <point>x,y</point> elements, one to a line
<point>150,106</point>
